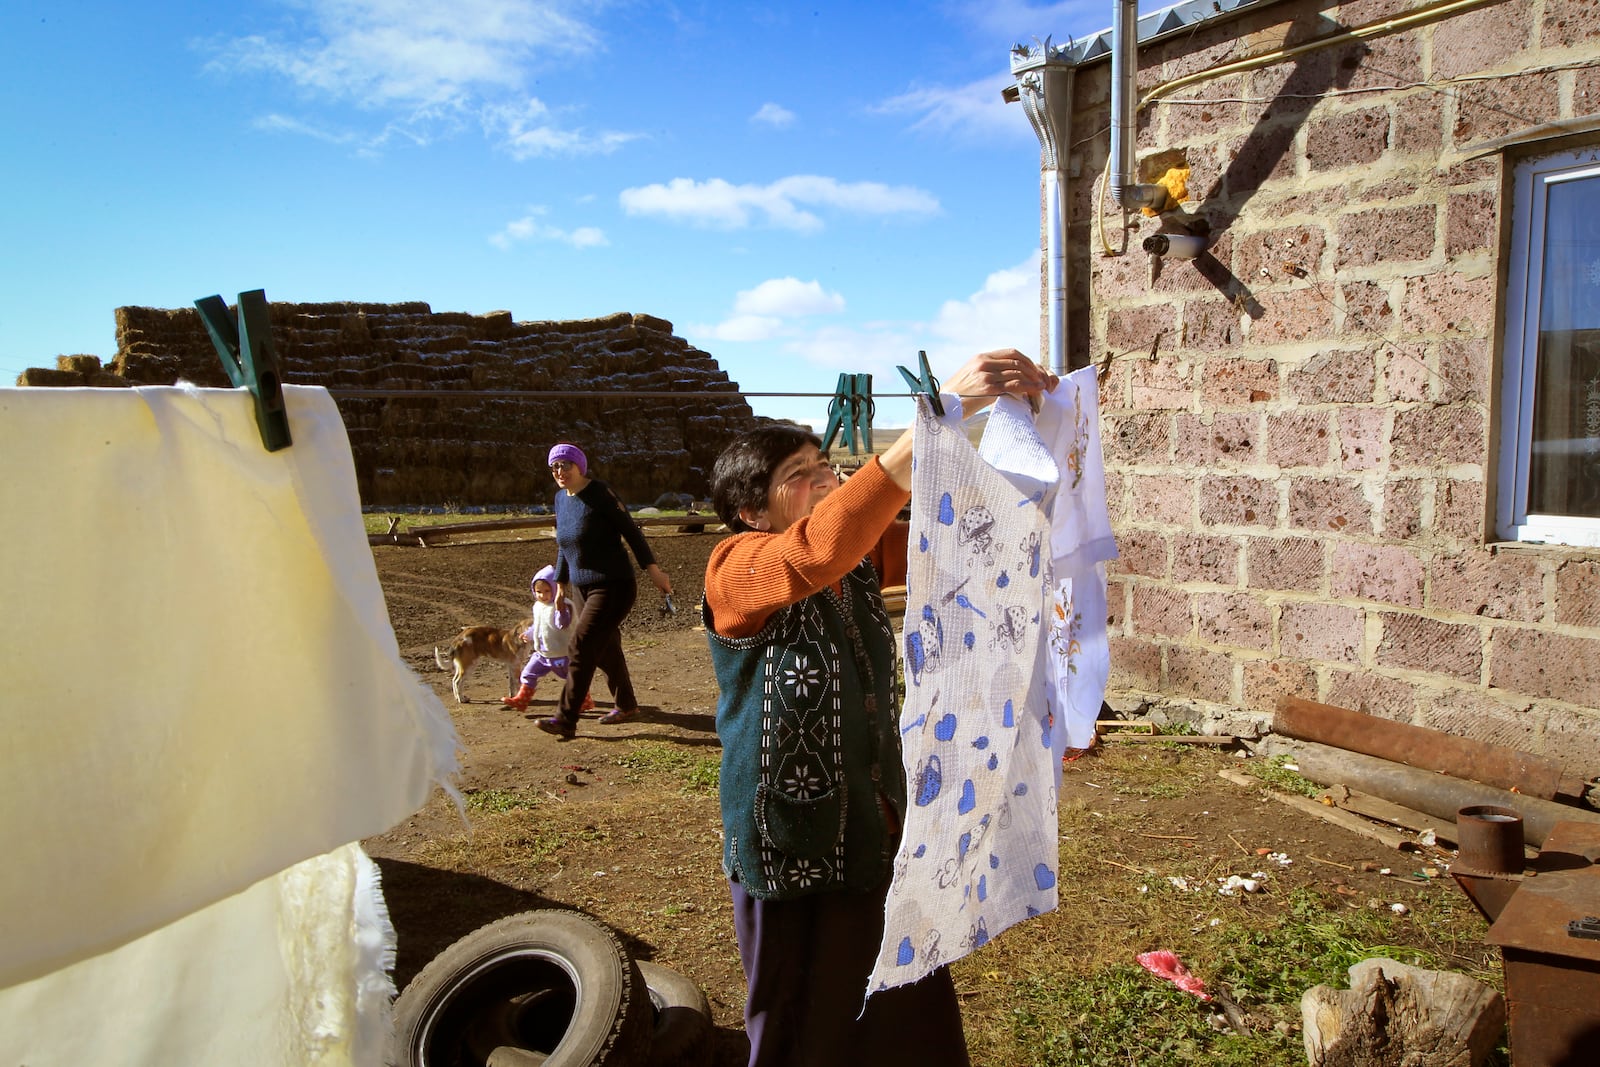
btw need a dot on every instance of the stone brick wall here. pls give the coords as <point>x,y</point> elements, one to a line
<point>1299,428</point>
<point>435,449</point>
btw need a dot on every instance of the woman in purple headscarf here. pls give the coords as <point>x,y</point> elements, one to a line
<point>593,533</point>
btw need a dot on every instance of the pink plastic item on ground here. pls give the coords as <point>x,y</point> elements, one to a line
<point>1164,964</point>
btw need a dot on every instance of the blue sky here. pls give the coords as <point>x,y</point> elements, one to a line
<point>801,189</point>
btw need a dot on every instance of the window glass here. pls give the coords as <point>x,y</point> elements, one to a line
<point>1564,462</point>
<point>1549,478</point>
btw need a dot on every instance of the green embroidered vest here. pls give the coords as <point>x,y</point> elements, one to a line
<point>807,721</point>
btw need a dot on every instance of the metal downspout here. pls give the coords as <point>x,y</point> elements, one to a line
<point>1045,90</point>
<point>1125,189</point>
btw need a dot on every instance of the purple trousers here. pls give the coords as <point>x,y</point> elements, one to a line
<point>806,964</point>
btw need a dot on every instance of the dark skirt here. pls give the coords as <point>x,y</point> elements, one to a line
<point>806,964</point>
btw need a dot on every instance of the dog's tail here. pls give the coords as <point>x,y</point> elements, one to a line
<point>439,658</point>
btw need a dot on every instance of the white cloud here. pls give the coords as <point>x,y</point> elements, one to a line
<point>788,298</point>
<point>974,110</point>
<point>774,115</point>
<point>527,129</point>
<point>531,227</point>
<point>1003,313</point>
<point>782,203</point>
<point>433,66</point>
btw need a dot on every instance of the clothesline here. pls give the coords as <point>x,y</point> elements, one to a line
<point>582,394</point>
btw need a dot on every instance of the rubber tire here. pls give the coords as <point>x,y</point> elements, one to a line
<point>684,1034</point>
<point>550,986</point>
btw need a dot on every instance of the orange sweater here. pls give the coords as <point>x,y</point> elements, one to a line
<point>752,575</point>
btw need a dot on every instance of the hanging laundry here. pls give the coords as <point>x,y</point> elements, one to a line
<point>1006,660</point>
<point>205,685</point>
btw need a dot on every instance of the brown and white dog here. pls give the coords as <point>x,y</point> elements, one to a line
<point>483,642</point>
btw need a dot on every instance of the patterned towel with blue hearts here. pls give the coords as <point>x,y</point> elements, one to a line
<point>979,848</point>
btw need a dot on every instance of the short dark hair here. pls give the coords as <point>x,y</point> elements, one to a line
<point>744,470</point>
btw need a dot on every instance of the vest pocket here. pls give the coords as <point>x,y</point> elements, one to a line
<point>802,827</point>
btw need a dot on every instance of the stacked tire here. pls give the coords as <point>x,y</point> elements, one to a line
<point>548,988</point>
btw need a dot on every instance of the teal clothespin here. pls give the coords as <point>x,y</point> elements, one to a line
<point>250,360</point>
<point>924,383</point>
<point>839,415</point>
<point>850,413</point>
<point>862,411</point>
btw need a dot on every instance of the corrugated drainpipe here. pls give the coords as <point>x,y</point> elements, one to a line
<point>1125,190</point>
<point>1046,96</point>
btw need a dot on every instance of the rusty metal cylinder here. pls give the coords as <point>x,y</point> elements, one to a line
<point>1490,838</point>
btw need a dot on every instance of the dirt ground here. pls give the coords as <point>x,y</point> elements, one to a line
<point>641,852</point>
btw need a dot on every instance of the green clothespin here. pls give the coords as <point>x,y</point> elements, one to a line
<point>839,415</point>
<point>862,411</point>
<point>925,383</point>
<point>250,360</point>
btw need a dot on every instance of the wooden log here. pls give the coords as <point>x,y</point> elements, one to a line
<point>1395,1015</point>
<point>1416,746</point>
<point>1436,794</point>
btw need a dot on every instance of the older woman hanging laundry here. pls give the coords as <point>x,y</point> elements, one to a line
<point>812,788</point>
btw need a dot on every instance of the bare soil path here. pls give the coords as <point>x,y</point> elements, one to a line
<point>583,824</point>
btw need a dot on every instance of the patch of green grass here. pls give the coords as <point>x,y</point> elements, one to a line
<point>1275,773</point>
<point>698,774</point>
<point>497,800</point>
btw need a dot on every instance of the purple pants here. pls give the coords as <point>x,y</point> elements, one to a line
<point>538,666</point>
<point>806,964</point>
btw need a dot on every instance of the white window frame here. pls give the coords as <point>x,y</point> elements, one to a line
<point>1520,356</point>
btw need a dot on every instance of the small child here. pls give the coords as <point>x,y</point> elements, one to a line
<point>550,635</point>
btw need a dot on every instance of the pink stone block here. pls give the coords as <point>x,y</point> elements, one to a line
<point>1289,563</point>
<point>1373,694</point>
<point>1342,376</point>
<point>1317,632</point>
<point>1161,611</point>
<point>1299,438</point>
<point>1238,501</point>
<point>1363,438</point>
<point>1267,681</point>
<point>1503,585</point>
<point>1388,574</point>
<point>1578,593</point>
<point>1161,498</point>
<point>1434,437</point>
<point>1221,440</point>
<point>1540,664</point>
<point>1420,643</point>
<point>1198,672</point>
<point>1236,620</point>
<point>1328,505</point>
<point>1197,558</point>
<point>1135,664</point>
<point>1475,714</point>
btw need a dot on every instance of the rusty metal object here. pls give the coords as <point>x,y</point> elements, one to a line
<point>1488,867</point>
<point>1437,794</point>
<point>1415,746</point>
<point>1552,977</point>
<point>1490,838</point>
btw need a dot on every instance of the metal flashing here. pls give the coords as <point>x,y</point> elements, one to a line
<point>1151,27</point>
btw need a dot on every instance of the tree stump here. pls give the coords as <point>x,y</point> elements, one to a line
<point>1394,1015</point>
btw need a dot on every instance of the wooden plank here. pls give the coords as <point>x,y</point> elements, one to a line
<point>1221,741</point>
<point>1396,815</point>
<point>1326,812</point>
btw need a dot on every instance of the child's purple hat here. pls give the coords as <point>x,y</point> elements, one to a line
<point>572,454</point>
<point>546,574</point>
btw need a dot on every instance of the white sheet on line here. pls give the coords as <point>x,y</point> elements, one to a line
<point>292,972</point>
<point>203,687</point>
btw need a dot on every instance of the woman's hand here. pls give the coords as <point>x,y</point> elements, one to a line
<point>659,577</point>
<point>978,382</point>
<point>987,375</point>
